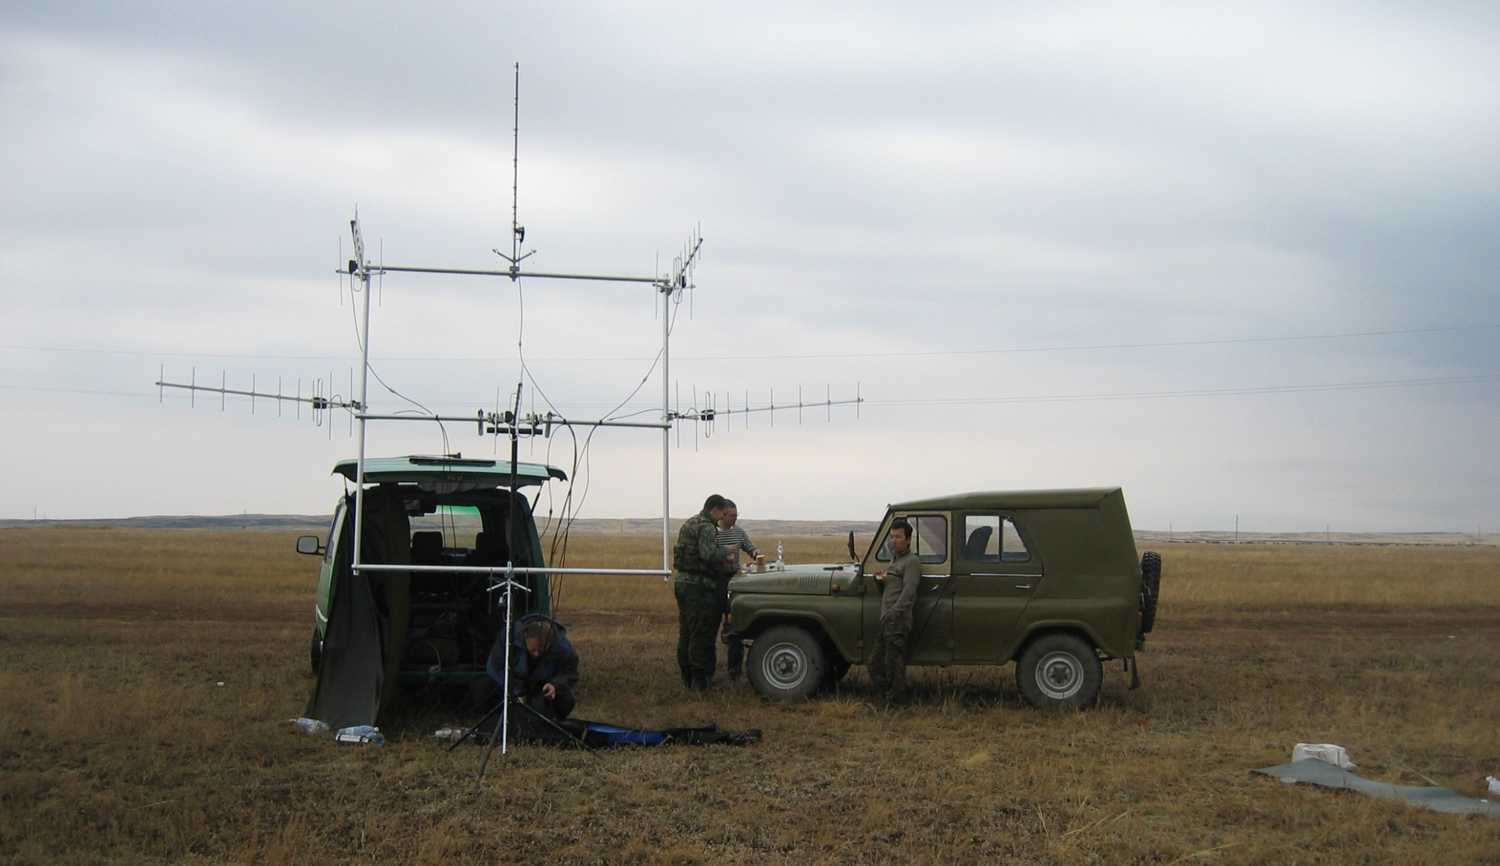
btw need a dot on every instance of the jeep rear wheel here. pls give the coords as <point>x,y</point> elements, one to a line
<point>786,663</point>
<point>1060,671</point>
<point>1150,589</point>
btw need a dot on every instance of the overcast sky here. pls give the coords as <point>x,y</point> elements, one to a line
<point>1239,260</point>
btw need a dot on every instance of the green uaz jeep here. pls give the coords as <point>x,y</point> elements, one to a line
<point>1049,579</point>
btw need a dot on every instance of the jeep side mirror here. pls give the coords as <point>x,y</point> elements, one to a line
<point>852,556</point>
<point>310,545</point>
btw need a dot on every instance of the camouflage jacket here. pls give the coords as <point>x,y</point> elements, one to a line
<point>697,556</point>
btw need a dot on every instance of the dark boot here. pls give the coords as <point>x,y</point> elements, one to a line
<point>701,682</point>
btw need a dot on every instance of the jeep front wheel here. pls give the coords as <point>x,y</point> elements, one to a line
<point>786,663</point>
<point>1059,671</point>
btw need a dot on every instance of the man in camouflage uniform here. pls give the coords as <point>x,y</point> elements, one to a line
<point>702,568</point>
<point>898,596</point>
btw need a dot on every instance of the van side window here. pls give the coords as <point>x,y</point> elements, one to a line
<point>329,548</point>
<point>929,540</point>
<point>992,538</point>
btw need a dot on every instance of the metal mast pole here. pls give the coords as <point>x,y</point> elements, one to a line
<point>666,435</point>
<point>364,384</point>
<point>515,438</point>
<point>515,176</point>
<point>510,573</point>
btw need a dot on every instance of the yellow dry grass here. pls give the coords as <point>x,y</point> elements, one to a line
<point>118,745</point>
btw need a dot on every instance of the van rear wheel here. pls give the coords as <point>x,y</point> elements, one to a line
<point>786,663</point>
<point>1060,671</point>
<point>316,650</point>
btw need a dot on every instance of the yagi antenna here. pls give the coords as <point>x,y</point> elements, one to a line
<point>707,412</point>
<point>319,399</point>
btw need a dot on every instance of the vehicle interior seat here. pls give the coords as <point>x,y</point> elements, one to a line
<point>979,539</point>
<point>427,547</point>
<point>489,549</point>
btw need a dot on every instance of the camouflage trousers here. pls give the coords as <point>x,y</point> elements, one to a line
<point>699,612</point>
<point>888,663</point>
<point>734,647</point>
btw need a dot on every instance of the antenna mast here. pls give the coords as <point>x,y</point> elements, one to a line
<point>515,168</point>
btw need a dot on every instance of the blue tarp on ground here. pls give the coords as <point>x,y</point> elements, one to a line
<point>1314,772</point>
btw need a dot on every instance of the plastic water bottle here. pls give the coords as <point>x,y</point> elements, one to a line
<point>360,734</point>
<point>780,556</point>
<point>1494,784</point>
<point>309,726</point>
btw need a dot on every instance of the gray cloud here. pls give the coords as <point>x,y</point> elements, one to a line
<point>868,179</point>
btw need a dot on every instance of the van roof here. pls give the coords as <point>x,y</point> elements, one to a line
<point>417,468</point>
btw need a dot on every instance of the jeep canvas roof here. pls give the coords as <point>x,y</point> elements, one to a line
<point>471,473</point>
<point>1087,497</point>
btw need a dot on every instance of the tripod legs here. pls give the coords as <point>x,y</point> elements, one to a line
<point>496,713</point>
<point>471,731</point>
<point>552,723</point>
<point>490,746</point>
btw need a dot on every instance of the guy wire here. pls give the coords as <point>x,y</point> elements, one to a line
<point>359,340</point>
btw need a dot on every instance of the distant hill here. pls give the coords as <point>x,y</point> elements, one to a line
<point>1154,536</point>
<point>311,522</point>
<point>765,532</point>
<point>758,529</point>
<point>230,521</point>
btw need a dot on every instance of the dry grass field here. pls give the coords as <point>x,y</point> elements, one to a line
<point>118,745</point>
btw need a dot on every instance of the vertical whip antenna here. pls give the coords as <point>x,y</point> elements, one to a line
<point>517,231</point>
<point>515,169</point>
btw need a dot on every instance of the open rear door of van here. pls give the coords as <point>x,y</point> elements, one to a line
<point>355,666</point>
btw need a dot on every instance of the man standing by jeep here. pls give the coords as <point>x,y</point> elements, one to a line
<point>733,539</point>
<point>701,568</point>
<point>899,585</point>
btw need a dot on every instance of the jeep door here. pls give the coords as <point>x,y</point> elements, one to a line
<point>995,575</point>
<point>931,641</point>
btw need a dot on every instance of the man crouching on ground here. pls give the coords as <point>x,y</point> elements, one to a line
<point>898,596</point>
<point>543,665</point>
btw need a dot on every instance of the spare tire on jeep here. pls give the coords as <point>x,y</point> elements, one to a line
<point>1150,589</point>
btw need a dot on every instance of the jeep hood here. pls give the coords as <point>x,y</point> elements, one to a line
<point>795,580</point>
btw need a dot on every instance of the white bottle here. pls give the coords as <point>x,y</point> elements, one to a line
<point>309,726</point>
<point>1494,784</point>
<point>780,556</point>
<point>360,734</point>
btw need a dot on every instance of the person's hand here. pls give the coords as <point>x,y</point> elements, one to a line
<point>549,691</point>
